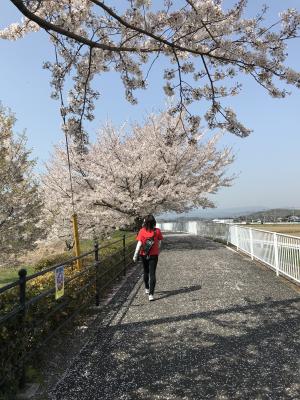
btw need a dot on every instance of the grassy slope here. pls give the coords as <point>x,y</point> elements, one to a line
<point>9,274</point>
<point>287,229</point>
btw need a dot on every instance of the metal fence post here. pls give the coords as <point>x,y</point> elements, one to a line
<point>276,253</point>
<point>97,266</point>
<point>237,237</point>
<point>251,243</point>
<point>22,299</point>
<point>227,233</point>
<point>124,253</point>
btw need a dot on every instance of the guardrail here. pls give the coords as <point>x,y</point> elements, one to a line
<point>31,313</point>
<point>280,252</point>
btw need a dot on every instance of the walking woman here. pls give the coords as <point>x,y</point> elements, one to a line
<point>149,233</point>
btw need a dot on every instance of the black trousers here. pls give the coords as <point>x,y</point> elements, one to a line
<point>149,272</point>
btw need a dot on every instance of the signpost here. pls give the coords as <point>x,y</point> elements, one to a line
<point>59,282</point>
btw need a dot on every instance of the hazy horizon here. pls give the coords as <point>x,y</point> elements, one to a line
<point>223,212</point>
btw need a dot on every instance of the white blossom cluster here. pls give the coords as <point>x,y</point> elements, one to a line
<point>124,176</point>
<point>20,203</point>
<point>206,44</point>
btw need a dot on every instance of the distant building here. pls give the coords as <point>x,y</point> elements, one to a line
<point>223,221</point>
<point>293,218</point>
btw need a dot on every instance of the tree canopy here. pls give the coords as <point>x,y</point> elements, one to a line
<point>124,176</point>
<point>207,47</point>
<point>20,202</point>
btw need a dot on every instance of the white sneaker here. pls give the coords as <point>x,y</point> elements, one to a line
<point>151,297</point>
<point>146,291</point>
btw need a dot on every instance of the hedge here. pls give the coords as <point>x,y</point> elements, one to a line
<point>19,337</point>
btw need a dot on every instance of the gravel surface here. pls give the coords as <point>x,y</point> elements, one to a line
<point>221,327</point>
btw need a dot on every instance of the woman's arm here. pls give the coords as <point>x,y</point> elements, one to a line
<point>137,249</point>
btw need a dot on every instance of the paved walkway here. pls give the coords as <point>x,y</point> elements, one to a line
<point>222,327</point>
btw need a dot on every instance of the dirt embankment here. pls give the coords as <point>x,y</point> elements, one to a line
<point>42,251</point>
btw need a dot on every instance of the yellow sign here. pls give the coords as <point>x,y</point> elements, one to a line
<point>59,282</point>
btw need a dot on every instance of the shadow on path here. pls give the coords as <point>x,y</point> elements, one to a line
<point>167,293</point>
<point>256,359</point>
<point>184,242</point>
<point>223,345</point>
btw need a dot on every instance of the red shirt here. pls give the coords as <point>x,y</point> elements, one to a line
<point>143,235</point>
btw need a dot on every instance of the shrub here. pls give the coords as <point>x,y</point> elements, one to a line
<point>49,261</point>
<point>48,314</point>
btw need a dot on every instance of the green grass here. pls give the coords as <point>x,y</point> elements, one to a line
<point>8,274</point>
<point>88,244</point>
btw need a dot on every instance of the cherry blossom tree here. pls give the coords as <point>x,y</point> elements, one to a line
<point>205,45</point>
<point>125,176</point>
<point>20,203</point>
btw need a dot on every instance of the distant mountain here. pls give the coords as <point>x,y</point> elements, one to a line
<point>211,213</point>
<point>273,213</point>
<point>237,212</point>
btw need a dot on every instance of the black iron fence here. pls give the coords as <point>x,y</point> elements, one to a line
<point>36,307</point>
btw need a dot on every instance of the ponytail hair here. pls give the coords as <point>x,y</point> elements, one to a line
<point>149,222</point>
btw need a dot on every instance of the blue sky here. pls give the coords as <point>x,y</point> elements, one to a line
<point>267,162</point>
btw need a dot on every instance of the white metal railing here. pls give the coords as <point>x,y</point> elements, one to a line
<point>280,252</point>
